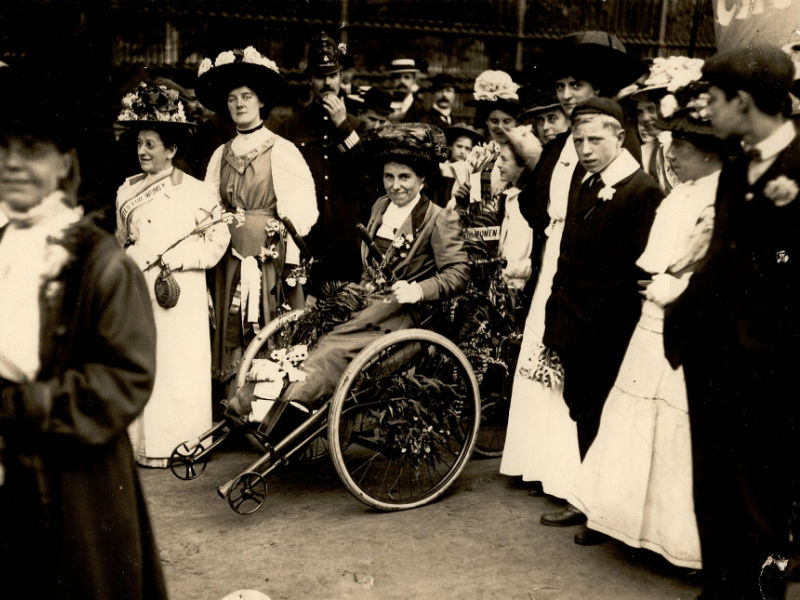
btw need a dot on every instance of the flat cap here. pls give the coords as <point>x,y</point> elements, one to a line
<point>599,106</point>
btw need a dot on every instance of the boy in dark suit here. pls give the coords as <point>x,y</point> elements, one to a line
<point>595,301</point>
<point>736,331</point>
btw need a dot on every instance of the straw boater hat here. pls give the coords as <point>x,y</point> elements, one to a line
<point>237,68</point>
<point>404,65</point>
<point>151,105</point>
<point>597,56</point>
<point>423,146</point>
<point>495,90</point>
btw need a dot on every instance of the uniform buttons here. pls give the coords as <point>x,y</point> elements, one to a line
<point>325,118</point>
<point>324,137</point>
<point>325,157</point>
<point>326,197</point>
<point>61,330</point>
<point>326,177</point>
<point>302,143</point>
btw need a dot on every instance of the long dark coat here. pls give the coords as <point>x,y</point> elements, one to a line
<point>73,521</point>
<point>736,331</point>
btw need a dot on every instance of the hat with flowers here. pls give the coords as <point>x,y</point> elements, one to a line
<point>151,103</point>
<point>495,90</point>
<point>667,75</point>
<point>237,68</point>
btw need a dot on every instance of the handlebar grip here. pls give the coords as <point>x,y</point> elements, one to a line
<point>300,242</point>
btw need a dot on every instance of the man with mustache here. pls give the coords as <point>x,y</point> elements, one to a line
<point>443,96</point>
<point>326,136</point>
<point>407,106</point>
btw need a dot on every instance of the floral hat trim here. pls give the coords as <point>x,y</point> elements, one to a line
<point>494,86</point>
<point>249,55</point>
<point>150,102</point>
<point>674,72</point>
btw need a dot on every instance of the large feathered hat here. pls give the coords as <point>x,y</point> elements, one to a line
<point>236,68</point>
<point>420,145</point>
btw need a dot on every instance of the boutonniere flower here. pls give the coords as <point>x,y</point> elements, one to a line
<point>606,194</point>
<point>402,244</point>
<point>781,190</point>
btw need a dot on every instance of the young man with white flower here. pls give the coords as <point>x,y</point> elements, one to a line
<point>595,303</point>
<point>736,332</point>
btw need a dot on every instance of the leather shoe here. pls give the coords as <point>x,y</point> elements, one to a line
<point>590,537</point>
<point>566,517</point>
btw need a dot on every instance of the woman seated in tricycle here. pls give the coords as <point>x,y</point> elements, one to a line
<point>416,255</point>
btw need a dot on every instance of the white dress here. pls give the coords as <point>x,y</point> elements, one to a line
<point>541,438</point>
<point>635,483</point>
<point>180,405</point>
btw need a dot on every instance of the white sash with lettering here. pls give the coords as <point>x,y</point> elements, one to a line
<point>140,198</point>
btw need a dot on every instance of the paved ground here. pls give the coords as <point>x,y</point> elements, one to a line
<point>313,540</point>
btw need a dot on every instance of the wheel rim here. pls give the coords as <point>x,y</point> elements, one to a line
<point>247,493</point>
<point>183,463</point>
<point>492,433</point>
<point>407,424</point>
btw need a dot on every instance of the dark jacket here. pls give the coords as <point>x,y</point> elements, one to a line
<point>73,521</point>
<point>434,117</point>
<point>335,159</point>
<point>535,195</point>
<point>595,291</point>
<point>748,288</point>
<point>437,259</point>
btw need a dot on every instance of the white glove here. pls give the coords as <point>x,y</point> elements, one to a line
<point>407,293</point>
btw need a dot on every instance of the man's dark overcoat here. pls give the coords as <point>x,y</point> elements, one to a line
<point>334,156</point>
<point>736,331</point>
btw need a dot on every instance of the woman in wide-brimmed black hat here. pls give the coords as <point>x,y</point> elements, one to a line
<point>157,210</point>
<point>635,483</point>
<point>77,362</point>
<point>265,178</point>
<point>416,256</point>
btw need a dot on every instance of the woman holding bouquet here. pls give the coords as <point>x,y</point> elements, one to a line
<point>422,259</point>
<point>496,101</point>
<point>264,178</point>
<point>170,225</point>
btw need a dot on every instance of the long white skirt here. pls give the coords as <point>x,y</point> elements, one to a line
<point>179,408</point>
<point>541,439</point>
<point>635,483</point>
